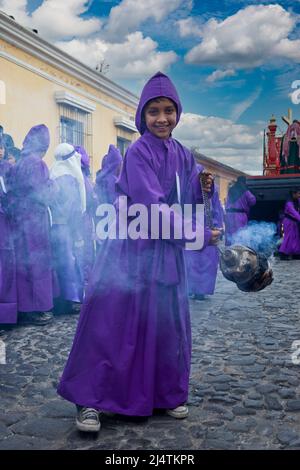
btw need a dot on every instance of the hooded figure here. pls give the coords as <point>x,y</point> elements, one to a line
<point>88,225</point>
<point>8,287</point>
<point>106,178</point>
<point>290,245</point>
<point>67,209</point>
<point>238,204</point>
<point>290,150</point>
<point>202,266</point>
<point>132,348</point>
<point>32,189</point>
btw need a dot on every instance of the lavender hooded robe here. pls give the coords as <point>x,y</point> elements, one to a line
<point>291,230</point>
<point>8,286</point>
<point>66,231</point>
<point>88,225</point>
<point>106,178</point>
<point>32,190</point>
<point>235,220</point>
<point>132,348</point>
<point>202,266</point>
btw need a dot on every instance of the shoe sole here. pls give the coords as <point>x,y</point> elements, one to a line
<point>178,415</point>
<point>87,427</point>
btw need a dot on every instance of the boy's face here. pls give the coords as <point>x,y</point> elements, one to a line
<point>2,151</point>
<point>160,116</point>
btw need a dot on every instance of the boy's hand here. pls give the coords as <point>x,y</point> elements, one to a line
<point>207,180</point>
<point>215,236</point>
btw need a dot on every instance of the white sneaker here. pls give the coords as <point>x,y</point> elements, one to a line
<point>87,420</point>
<point>179,413</point>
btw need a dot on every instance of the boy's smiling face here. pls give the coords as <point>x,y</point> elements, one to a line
<point>160,117</point>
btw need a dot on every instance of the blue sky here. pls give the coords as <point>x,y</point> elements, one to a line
<point>233,62</point>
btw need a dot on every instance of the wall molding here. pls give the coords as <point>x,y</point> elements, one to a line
<point>32,43</point>
<point>61,83</point>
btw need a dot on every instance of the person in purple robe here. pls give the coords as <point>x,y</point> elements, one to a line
<point>290,246</point>
<point>238,204</point>
<point>8,286</point>
<point>105,186</point>
<point>132,348</point>
<point>202,266</point>
<point>88,224</point>
<point>67,209</point>
<point>31,191</point>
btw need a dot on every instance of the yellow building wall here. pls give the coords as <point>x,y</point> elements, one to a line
<point>223,178</point>
<point>30,100</point>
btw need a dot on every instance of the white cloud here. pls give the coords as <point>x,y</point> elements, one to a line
<point>16,8</point>
<point>126,59</point>
<point>236,145</point>
<point>132,56</point>
<point>249,38</point>
<point>54,19</point>
<point>189,27</point>
<point>58,19</point>
<point>241,107</point>
<point>219,74</point>
<point>130,14</point>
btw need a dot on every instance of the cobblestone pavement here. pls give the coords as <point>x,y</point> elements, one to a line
<point>244,387</point>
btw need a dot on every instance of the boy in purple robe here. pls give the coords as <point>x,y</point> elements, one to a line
<point>31,190</point>
<point>105,186</point>
<point>238,204</point>
<point>8,288</point>
<point>132,349</point>
<point>88,224</point>
<point>290,245</point>
<point>67,209</point>
<point>202,266</point>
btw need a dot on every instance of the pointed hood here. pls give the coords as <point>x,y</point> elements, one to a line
<point>158,85</point>
<point>36,141</point>
<point>112,160</point>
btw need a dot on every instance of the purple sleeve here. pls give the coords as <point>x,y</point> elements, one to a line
<point>291,211</point>
<point>251,199</point>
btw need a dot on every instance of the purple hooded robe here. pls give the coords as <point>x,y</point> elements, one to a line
<point>106,178</point>
<point>132,348</point>
<point>291,230</point>
<point>202,266</point>
<point>32,190</point>
<point>8,286</point>
<point>235,220</point>
<point>88,225</point>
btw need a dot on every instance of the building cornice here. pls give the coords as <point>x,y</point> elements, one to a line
<point>126,124</point>
<point>64,97</point>
<point>211,161</point>
<point>30,42</point>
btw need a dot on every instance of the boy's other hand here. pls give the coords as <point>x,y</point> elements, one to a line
<point>215,236</point>
<point>207,180</point>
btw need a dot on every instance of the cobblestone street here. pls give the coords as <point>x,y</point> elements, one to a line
<point>244,387</point>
